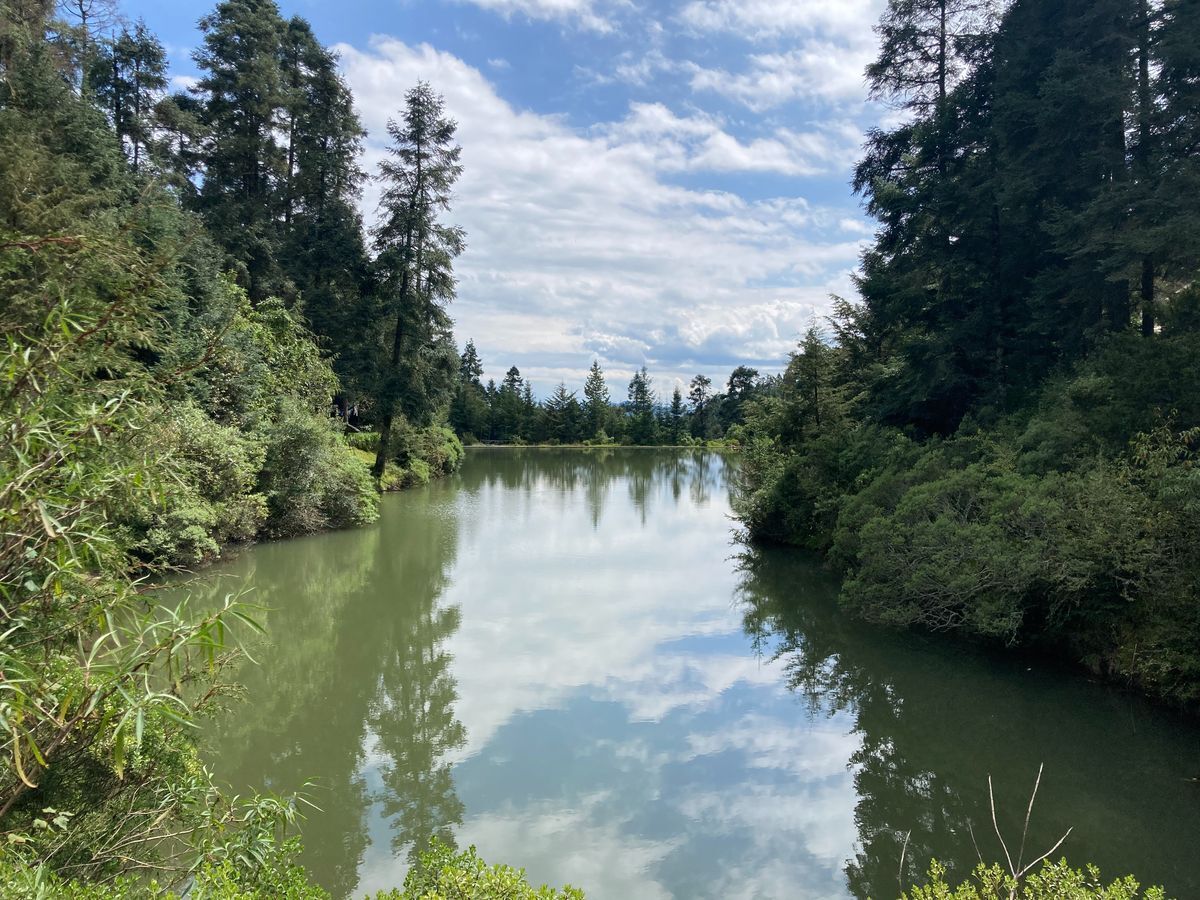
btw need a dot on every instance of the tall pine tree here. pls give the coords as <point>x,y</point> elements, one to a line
<point>416,251</point>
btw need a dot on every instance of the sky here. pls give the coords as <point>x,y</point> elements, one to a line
<point>646,182</point>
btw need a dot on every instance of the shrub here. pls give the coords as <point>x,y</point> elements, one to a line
<point>367,441</point>
<point>442,873</point>
<point>213,498</point>
<point>1055,881</point>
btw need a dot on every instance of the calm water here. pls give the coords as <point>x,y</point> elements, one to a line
<point>561,658</point>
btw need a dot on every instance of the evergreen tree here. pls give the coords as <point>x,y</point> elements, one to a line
<point>640,409</point>
<point>82,23</point>
<point>508,406</point>
<point>128,77</point>
<point>699,395</point>
<point>562,416</point>
<point>23,25</point>
<point>244,166</point>
<point>470,365</point>
<point>597,402</point>
<point>178,141</point>
<point>323,252</point>
<point>925,45</point>
<point>530,425</point>
<point>676,416</point>
<point>743,385</point>
<point>1178,131</point>
<point>491,396</point>
<point>416,255</point>
<point>469,408</point>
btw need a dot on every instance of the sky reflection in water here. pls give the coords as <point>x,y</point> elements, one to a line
<point>562,658</point>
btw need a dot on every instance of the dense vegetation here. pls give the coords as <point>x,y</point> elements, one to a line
<point>1001,437</point>
<point>194,317</point>
<point>441,873</point>
<point>510,414</point>
<point>189,310</point>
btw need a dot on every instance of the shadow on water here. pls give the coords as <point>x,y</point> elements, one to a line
<point>936,719</point>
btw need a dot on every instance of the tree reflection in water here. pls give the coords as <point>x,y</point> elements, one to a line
<point>357,688</point>
<point>353,689</point>
<point>936,718</point>
<point>537,470</point>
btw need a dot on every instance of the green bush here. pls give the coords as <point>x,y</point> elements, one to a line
<point>1055,881</point>
<point>367,441</point>
<point>311,479</point>
<point>1070,525</point>
<point>420,455</point>
<point>213,499</point>
<point>442,874</point>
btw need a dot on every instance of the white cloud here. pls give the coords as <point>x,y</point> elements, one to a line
<point>580,243</point>
<point>183,82</point>
<point>759,19</point>
<point>699,143</point>
<point>584,13</point>
<point>818,70</point>
<point>812,50</point>
<point>499,64</point>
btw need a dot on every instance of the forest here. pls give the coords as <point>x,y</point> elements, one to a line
<point>205,345</point>
<point>1000,437</point>
<point>510,414</point>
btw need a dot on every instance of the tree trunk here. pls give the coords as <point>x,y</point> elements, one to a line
<point>1148,295</point>
<point>1143,157</point>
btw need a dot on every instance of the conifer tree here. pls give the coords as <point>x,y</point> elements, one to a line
<point>244,166</point>
<point>128,77</point>
<point>1178,92</point>
<point>640,408</point>
<point>699,395</point>
<point>469,408</point>
<point>676,414</point>
<point>470,365</point>
<point>596,401</point>
<point>416,252</point>
<point>324,255</point>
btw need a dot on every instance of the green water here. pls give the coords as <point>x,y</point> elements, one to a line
<point>561,658</point>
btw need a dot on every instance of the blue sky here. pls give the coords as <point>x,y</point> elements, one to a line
<point>647,183</point>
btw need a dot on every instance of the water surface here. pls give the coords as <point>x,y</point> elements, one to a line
<point>562,658</point>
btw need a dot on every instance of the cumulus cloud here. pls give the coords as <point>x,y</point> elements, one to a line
<point>819,70</point>
<point>758,19</point>
<point>812,51</point>
<point>615,241</point>
<point>584,13</point>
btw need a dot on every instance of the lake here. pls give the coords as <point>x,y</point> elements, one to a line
<point>564,658</point>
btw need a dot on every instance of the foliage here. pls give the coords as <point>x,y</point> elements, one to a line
<point>152,414</point>
<point>1062,526</point>
<point>443,874</point>
<point>1055,881</point>
<point>509,414</point>
<point>972,445</point>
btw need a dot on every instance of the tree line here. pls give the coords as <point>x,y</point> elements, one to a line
<point>999,436</point>
<point>509,412</point>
